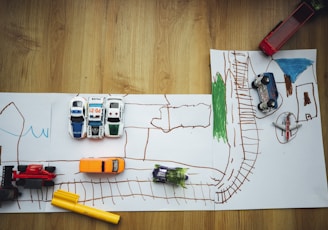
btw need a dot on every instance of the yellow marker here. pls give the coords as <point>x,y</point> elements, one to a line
<point>68,200</point>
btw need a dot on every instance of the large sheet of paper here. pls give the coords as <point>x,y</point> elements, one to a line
<point>245,164</point>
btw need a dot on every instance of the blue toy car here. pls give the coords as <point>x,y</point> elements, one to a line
<point>267,90</point>
<point>77,123</point>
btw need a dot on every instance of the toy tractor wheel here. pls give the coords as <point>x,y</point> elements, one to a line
<point>48,183</point>
<point>22,168</point>
<point>20,182</point>
<point>271,103</point>
<point>50,169</point>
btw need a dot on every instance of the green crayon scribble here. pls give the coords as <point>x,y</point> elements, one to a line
<point>219,108</point>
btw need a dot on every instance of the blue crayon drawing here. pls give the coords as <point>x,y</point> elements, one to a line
<point>293,66</point>
<point>44,132</point>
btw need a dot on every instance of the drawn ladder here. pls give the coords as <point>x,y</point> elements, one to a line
<point>248,130</point>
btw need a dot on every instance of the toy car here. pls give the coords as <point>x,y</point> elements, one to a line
<point>78,124</point>
<point>7,190</point>
<point>114,121</point>
<point>34,176</point>
<point>267,90</point>
<point>114,165</point>
<point>95,127</point>
<point>176,176</point>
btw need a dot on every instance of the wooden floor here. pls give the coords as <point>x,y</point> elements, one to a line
<point>146,47</point>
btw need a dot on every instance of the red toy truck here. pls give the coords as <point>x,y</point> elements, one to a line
<point>34,176</point>
<point>285,29</point>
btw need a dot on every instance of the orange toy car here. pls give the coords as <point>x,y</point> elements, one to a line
<point>114,165</point>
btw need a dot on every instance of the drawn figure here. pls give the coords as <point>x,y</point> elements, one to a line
<point>289,86</point>
<point>308,116</point>
<point>307,99</point>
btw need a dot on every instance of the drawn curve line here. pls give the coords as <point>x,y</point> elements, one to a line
<point>43,133</point>
<point>23,124</point>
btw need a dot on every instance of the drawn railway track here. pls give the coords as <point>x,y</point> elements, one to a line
<point>245,150</point>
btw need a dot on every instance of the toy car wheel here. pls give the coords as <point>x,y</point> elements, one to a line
<point>271,103</point>
<point>20,182</point>
<point>50,168</point>
<point>22,168</point>
<point>260,107</point>
<point>265,80</point>
<point>253,85</point>
<point>48,183</point>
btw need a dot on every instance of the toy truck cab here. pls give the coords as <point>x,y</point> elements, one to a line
<point>285,29</point>
<point>95,127</point>
<point>34,176</point>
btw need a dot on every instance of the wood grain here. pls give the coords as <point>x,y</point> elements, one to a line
<point>146,47</point>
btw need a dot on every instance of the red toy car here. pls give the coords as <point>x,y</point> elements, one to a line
<point>34,176</point>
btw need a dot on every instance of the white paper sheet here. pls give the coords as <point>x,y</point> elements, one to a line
<point>252,169</point>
